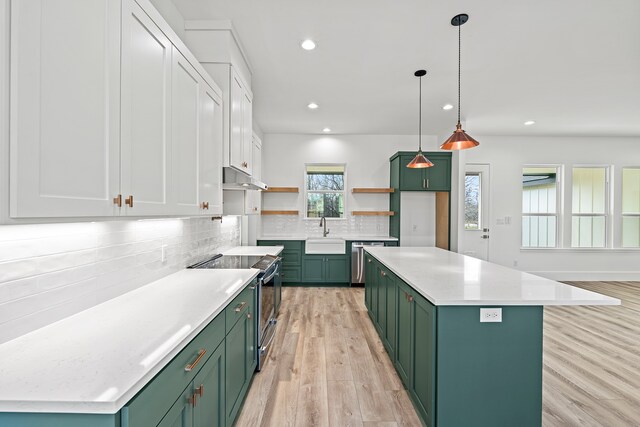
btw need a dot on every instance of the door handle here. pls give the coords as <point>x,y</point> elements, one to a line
<point>129,201</point>
<point>427,182</point>
<point>484,236</point>
<point>485,230</point>
<point>192,365</point>
<point>118,200</point>
<point>424,183</point>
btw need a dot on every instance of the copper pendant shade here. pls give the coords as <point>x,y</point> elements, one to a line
<point>460,140</point>
<point>420,161</point>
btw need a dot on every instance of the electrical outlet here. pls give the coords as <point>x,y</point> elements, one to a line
<point>490,315</point>
<point>163,256</point>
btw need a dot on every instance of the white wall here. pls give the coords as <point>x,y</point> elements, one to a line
<point>367,158</point>
<point>507,156</point>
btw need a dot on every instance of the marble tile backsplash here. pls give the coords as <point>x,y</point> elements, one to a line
<point>52,271</point>
<point>288,225</point>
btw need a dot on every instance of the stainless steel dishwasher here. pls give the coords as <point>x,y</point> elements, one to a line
<point>357,260</point>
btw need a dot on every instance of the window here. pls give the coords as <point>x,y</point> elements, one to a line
<point>589,207</point>
<point>631,207</point>
<point>325,191</point>
<point>472,201</point>
<point>539,207</point>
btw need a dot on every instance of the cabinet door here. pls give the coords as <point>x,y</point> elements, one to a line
<point>410,179</point>
<point>235,368</point>
<point>209,388</point>
<point>336,269</point>
<point>369,273</point>
<point>391,311</point>
<point>256,155</point>
<point>403,348</point>
<point>247,132</point>
<point>186,89</point>
<point>180,414</point>
<point>252,201</point>
<point>439,176</point>
<point>423,328</point>
<point>251,346</point>
<point>374,290</point>
<point>64,111</point>
<point>381,272</point>
<point>312,268</point>
<point>146,112</point>
<point>211,151</point>
<point>236,134</point>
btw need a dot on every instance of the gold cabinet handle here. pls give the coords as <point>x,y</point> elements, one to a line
<point>129,201</point>
<point>252,288</point>
<point>118,200</point>
<point>249,316</point>
<point>205,205</point>
<point>382,273</point>
<point>424,183</point>
<point>410,298</point>
<point>200,390</point>
<point>240,306</point>
<point>255,209</point>
<point>427,182</point>
<point>192,400</point>
<point>368,259</point>
<point>201,354</point>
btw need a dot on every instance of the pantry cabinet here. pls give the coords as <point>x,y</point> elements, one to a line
<point>65,108</point>
<point>112,116</point>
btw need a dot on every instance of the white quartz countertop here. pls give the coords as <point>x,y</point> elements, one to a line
<point>354,237</point>
<point>448,278</point>
<point>254,250</point>
<point>98,359</point>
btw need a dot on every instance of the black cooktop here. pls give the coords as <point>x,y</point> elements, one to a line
<point>236,261</point>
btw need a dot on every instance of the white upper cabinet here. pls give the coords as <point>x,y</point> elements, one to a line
<point>247,132</point>
<point>236,115</point>
<point>253,198</point>
<point>210,156</point>
<point>146,112</point>
<point>185,117</point>
<point>65,100</point>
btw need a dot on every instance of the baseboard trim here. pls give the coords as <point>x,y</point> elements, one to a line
<point>578,276</point>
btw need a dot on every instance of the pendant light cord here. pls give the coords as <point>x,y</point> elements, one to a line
<point>459,60</point>
<point>420,119</point>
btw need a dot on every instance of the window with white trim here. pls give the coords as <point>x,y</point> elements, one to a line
<point>324,191</point>
<point>540,207</point>
<point>631,207</point>
<point>590,207</point>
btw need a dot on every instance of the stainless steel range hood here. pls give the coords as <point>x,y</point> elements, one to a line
<point>234,180</point>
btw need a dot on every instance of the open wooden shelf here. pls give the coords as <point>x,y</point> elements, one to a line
<point>282,190</point>
<point>373,213</point>
<point>279,212</point>
<point>372,190</point>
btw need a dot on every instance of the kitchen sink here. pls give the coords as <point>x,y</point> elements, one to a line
<point>325,245</point>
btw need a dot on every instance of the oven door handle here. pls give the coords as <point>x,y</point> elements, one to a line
<point>265,346</point>
<point>272,275</point>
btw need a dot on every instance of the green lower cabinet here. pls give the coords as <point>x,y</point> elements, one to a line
<point>381,294</point>
<point>291,258</point>
<point>181,413</point>
<point>209,385</point>
<point>423,356</point>
<point>236,361</point>
<point>325,269</point>
<point>369,271</point>
<point>389,288</point>
<point>402,359</point>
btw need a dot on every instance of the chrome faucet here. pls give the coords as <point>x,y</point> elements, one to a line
<point>323,221</point>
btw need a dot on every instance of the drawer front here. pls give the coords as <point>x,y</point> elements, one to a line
<point>239,307</point>
<point>291,274</point>
<point>152,403</point>
<point>291,258</point>
<point>295,245</point>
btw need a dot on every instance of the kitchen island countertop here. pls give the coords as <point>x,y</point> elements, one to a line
<point>448,278</point>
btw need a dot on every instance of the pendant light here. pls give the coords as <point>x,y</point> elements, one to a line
<point>420,161</point>
<point>460,140</point>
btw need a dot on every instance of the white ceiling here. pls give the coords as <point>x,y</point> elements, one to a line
<point>573,66</point>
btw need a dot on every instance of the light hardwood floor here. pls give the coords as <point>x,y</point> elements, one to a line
<point>329,368</point>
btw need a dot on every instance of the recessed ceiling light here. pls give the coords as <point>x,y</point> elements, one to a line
<point>529,123</point>
<point>447,107</point>
<point>308,44</point>
<point>312,106</point>
<point>326,130</point>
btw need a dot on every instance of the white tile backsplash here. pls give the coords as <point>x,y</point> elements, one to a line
<point>288,225</point>
<point>52,271</point>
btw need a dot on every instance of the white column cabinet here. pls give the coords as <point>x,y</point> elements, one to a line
<point>210,158</point>
<point>186,91</point>
<point>247,132</point>
<point>65,100</point>
<point>146,113</point>
<point>236,130</point>
<point>253,198</point>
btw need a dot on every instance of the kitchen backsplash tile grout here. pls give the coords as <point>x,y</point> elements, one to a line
<point>52,271</point>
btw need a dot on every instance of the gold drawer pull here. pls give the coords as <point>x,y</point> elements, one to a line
<point>382,273</point>
<point>410,298</point>
<point>201,354</point>
<point>205,205</point>
<point>240,306</point>
<point>118,200</point>
<point>129,201</point>
<point>368,259</point>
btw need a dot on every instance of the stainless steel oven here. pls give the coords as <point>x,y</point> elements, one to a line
<point>269,293</point>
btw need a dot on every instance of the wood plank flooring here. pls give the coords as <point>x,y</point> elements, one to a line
<point>329,368</point>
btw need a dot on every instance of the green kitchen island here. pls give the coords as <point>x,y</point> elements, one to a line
<point>464,335</point>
